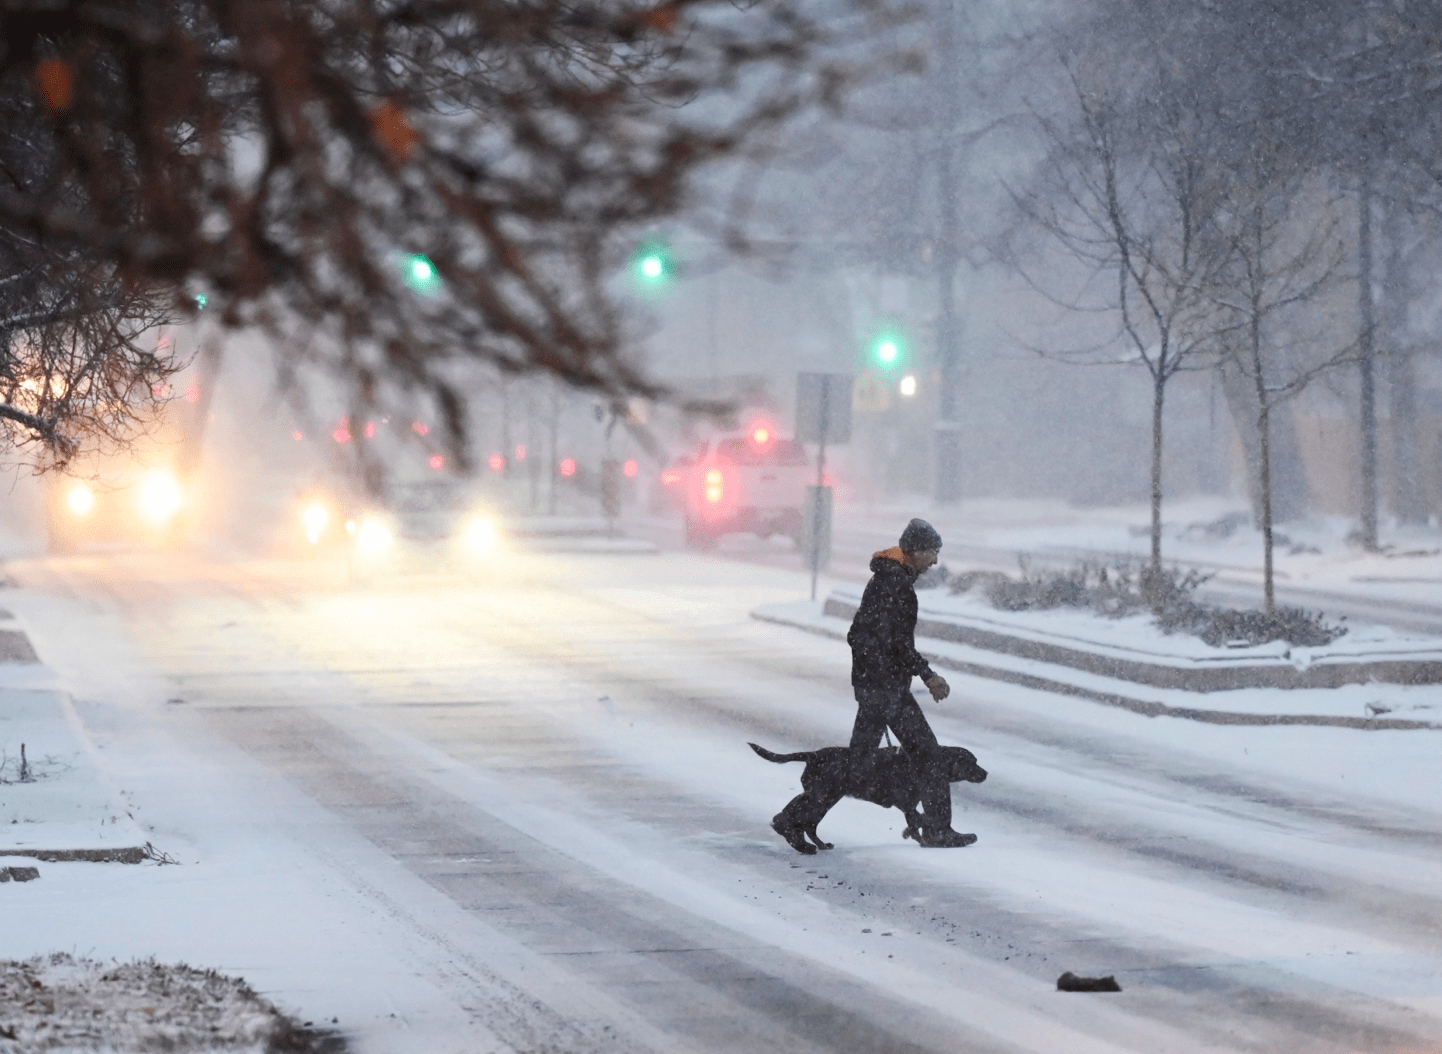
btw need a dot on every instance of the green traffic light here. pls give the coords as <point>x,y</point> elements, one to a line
<point>888,349</point>
<point>652,265</point>
<point>420,274</point>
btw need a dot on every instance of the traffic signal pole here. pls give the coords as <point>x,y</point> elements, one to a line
<point>823,414</point>
<point>818,497</point>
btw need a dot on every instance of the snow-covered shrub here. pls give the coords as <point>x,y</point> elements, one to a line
<point>1305,629</point>
<point>1115,590</point>
<point>68,1004</point>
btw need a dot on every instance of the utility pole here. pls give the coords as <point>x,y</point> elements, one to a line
<point>1367,367</point>
<point>555,443</point>
<point>947,258</point>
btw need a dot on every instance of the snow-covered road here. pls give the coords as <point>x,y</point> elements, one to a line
<point>520,814</point>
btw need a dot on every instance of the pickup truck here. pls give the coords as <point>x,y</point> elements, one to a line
<point>753,483</point>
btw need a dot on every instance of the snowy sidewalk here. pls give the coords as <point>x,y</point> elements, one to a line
<point>55,803</point>
<point>1066,657</point>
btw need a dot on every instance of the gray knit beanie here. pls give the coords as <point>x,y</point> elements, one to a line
<point>919,535</point>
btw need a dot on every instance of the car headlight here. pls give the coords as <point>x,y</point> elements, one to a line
<point>316,517</point>
<point>160,497</point>
<point>80,500</point>
<point>373,536</point>
<point>481,534</point>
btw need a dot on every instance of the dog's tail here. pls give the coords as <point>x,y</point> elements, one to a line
<point>805,755</point>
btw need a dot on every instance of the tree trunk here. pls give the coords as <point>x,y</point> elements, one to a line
<point>1264,467</point>
<point>1264,450</point>
<point>1291,493</point>
<point>1265,474</point>
<point>1407,495</point>
<point>1367,367</point>
<point>1159,389</point>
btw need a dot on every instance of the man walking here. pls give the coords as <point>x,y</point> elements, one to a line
<point>883,661</point>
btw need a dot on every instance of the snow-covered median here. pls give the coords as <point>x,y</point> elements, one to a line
<point>1132,648</point>
<point>61,1003</point>
<point>1054,654</point>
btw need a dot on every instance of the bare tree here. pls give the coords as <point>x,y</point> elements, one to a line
<point>79,369</point>
<point>1374,78</point>
<point>1283,264</point>
<point>1130,190</point>
<point>1355,87</point>
<point>396,188</point>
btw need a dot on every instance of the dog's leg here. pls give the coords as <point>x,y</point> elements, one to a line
<point>824,801</point>
<point>913,823</point>
<point>811,833</point>
<point>793,835</point>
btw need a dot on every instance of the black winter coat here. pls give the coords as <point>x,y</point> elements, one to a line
<point>883,633</point>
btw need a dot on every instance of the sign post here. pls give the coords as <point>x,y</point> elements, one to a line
<point>823,415</point>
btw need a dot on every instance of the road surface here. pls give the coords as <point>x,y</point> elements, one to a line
<point>541,781</point>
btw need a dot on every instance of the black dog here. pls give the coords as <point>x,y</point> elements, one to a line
<point>888,778</point>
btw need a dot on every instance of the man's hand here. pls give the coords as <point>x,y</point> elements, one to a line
<point>938,687</point>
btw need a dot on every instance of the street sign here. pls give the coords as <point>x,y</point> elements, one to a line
<point>871,395</point>
<point>823,407</point>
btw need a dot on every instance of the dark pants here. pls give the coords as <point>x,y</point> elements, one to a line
<point>876,711</point>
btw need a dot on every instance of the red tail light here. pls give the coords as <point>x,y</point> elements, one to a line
<point>670,479</point>
<point>715,486</point>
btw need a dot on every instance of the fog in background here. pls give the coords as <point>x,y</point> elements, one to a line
<point>795,257</point>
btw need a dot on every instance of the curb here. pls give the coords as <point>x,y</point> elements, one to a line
<point>50,711</point>
<point>128,855</point>
<point>1122,702</point>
